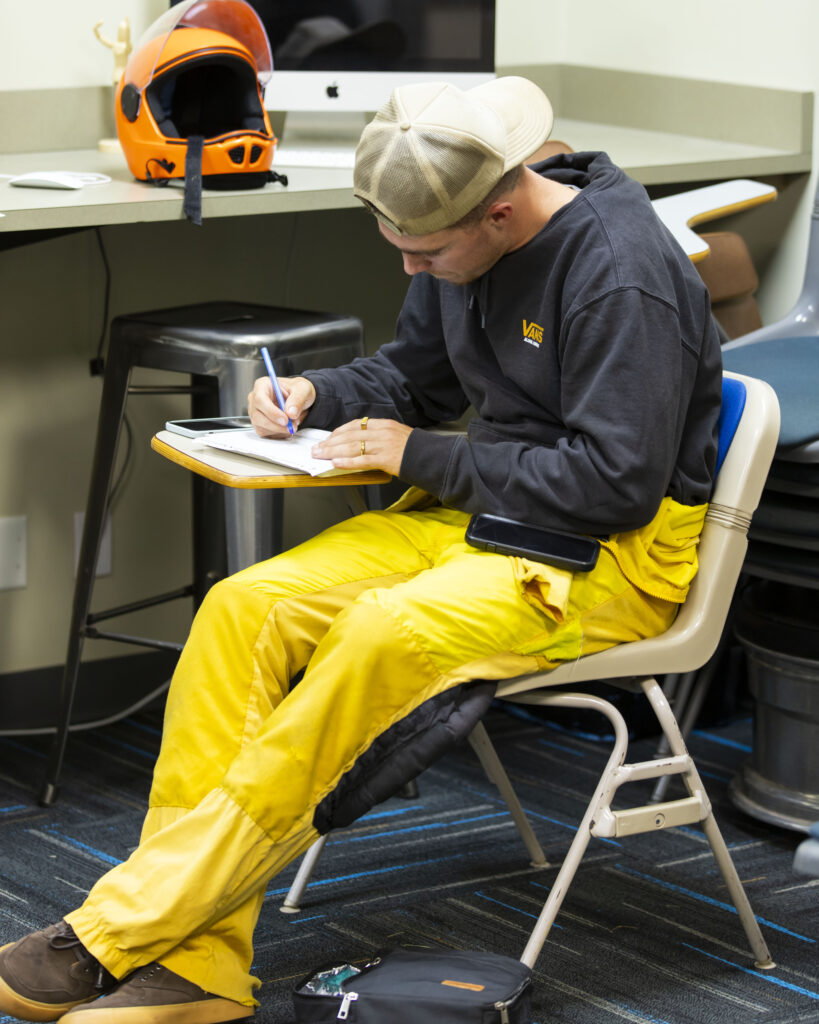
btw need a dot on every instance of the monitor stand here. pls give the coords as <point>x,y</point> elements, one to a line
<point>320,139</point>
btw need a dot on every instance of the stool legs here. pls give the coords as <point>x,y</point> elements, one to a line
<point>112,406</point>
<point>253,518</point>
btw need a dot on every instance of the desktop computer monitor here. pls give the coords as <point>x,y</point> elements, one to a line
<point>349,54</point>
<point>335,61</point>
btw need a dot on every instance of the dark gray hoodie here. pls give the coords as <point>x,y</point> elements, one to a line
<point>589,356</point>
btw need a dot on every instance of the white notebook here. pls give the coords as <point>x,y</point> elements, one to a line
<point>293,452</point>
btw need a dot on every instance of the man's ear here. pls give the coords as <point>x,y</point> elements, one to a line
<point>500,213</point>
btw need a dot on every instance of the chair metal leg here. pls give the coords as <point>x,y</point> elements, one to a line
<point>678,695</point>
<point>726,865</point>
<point>688,705</point>
<point>600,820</point>
<point>292,901</point>
<point>601,798</point>
<point>487,755</point>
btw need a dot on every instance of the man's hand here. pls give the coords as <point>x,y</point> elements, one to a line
<point>380,446</point>
<point>265,414</point>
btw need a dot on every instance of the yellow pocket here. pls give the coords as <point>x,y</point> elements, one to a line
<point>543,586</point>
<point>661,557</point>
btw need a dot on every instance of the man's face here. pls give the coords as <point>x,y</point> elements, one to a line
<point>457,255</point>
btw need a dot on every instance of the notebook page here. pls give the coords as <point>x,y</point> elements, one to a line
<point>293,452</point>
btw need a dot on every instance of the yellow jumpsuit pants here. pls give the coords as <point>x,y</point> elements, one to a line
<point>384,611</point>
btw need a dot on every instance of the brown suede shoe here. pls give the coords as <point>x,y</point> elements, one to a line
<point>47,972</point>
<point>155,995</point>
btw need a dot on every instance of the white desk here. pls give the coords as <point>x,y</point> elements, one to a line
<point>127,201</point>
<point>651,157</point>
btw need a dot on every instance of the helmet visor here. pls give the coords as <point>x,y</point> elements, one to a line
<point>234,18</point>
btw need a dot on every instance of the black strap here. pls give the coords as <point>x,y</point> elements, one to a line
<point>192,205</point>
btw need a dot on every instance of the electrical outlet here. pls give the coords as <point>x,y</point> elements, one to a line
<point>12,552</point>
<point>104,558</point>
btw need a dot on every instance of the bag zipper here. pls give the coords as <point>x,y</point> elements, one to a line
<point>504,1012</point>
<point>344,1009</point>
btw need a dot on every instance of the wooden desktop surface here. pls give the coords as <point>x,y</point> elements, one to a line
<point>234,470</point>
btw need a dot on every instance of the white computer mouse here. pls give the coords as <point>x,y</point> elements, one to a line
<point>48,179</point>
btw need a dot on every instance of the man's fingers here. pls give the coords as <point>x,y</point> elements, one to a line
<point>266,415</point>
<point>299,395</point>
<point>379,446</point>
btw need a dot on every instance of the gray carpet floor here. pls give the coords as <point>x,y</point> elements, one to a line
<point>647,932</point>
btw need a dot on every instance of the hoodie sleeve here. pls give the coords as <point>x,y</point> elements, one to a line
<point>409,379</point>
<point>626,382</point>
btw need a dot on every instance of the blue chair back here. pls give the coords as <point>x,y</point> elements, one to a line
<point>733,404</point>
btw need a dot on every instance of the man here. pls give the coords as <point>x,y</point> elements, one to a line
<point>554,303</point>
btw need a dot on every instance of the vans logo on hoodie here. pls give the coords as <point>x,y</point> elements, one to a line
<point>532,333</point>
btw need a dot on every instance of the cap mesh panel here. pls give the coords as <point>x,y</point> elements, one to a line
<point>456,163</point>
<point>367,158</point>
<point>403,191</point>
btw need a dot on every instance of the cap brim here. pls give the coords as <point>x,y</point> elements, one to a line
<point>525,111</point>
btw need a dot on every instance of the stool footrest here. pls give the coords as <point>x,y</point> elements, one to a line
<point>124,638</point>
<point>135,606</point>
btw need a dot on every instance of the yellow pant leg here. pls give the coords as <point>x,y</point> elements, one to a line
<point>253,632</point>
<point>386,652</point>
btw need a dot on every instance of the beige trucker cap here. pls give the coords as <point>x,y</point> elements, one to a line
<point>434,151</point>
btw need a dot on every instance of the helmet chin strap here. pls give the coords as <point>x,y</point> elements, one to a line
<point>192,205</point>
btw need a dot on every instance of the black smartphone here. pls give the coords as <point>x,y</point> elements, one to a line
<point>510,537</point>
<point>196,428</point>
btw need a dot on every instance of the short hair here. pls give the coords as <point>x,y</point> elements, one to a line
<point>507,183</point>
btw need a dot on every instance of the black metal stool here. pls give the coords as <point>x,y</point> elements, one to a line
<point>218,344</point>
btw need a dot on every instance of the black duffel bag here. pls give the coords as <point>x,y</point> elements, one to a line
<point>417,986</point>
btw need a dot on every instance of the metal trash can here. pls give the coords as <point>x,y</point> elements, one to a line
<point>778,627</point>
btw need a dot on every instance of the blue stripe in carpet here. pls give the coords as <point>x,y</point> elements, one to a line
<point>391,814</point>
<point>722,740</point>
<point>419,828</point>
<point>758,974</point>
<point>367,874</point>
<point>642,1016</point>
<point>708,899</point>
<point>83,846</point>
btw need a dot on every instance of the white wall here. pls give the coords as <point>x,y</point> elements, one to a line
<point>753,42</point>
<point>52,45</point>
<point>531,31</point>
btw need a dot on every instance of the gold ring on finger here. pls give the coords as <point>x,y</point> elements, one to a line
<point>364,422</point>
<point>363,447</point>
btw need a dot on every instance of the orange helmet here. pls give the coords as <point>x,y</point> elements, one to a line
<point>198,73</point>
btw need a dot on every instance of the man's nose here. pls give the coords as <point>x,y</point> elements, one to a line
<point>414,264</point>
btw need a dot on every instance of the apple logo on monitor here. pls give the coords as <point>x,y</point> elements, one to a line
<point>332,91</point>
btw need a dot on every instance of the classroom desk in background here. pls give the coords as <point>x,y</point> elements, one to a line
<point>652,157</point>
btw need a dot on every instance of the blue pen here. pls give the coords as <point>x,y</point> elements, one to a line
<point>268,362</point>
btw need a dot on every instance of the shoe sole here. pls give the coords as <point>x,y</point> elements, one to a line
<point>29,1009</point>
<point>207,1011</point>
